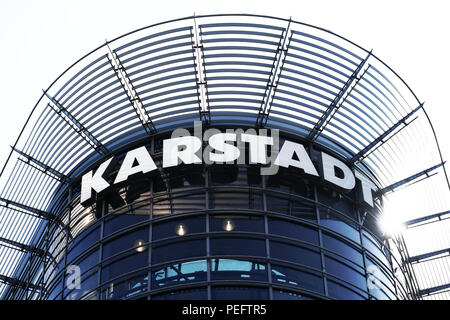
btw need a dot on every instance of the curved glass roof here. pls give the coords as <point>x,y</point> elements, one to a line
<point>229,70</point>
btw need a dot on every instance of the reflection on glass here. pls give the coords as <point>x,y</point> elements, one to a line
<point>228,225</point>
<point>126,288</point>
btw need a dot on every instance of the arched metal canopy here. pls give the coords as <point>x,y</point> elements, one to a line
<point>243,70</point>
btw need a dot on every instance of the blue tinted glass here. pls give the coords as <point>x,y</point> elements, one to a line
<point>296,277</point>
<point>342,270</point>
<point>179,273</point>
<point>229,200</point>
<point>56,290</point>
<point>238,246</point>
<point>168,229</point>
<point>293,230</point>
<point>301,255</point>
<point>342,249</point>
<point>231,269</point>
<point>379,281</point>
<point>239,293</point>
<point>123,264</point>
<point>374,248</point>
<point>337,201</point>
<point>179,250</point>
<point>87,262</point>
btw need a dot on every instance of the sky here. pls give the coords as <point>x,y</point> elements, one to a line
<point>40,39</point>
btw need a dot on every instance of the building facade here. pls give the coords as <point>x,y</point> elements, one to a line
<point>212,230</point>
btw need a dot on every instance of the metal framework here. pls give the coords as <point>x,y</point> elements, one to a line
<point>224,70</point>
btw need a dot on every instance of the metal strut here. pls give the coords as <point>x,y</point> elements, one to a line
<point>43,167</point>
<point>364,152</point>
<point>400,183</point>
<point>200,74</point>
<point>76,125</point>
<point>272,83</point>
<point>130,91</point>
<point>340,98</point>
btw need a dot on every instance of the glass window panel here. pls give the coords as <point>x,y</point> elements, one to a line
<point>278,204</point>
<point>125,241</point>
<point>87,285</point>
<point>239,293</point>
<point>88,237</point>
<point>307,256</point>
<point>234,199</point>
<point>188,203</point>
<point>167,229</point>
<point>293,230</point>
<point>125,263</point>
<point>88,261</point>
<point>337,201</point>
<point>373,246</point>
<point>342,249</point>
<point>291,180</point>
<point>125,288</point>
<point>190,294</point>
<point>232,269</point>
<point>220,222</point>
<point>238,246</point>
<point>115,222</point>
<point>179,273</point>
<point>337,291</point>
<point>342,270</point>
<point>287,295</point>
<point>379,280</point>
<point>332,221</point>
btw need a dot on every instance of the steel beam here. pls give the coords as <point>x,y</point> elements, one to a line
<point>339,99</point>
<point>429,291</point>
<point>76,125</point>
<point>400,183</point>
<point>365,150</point>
